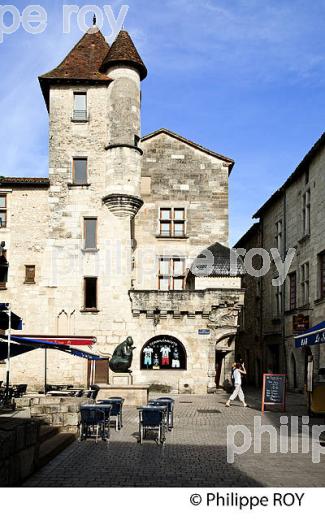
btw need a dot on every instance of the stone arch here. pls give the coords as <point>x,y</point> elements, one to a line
<point>224,355</point>
<point>62,323</point>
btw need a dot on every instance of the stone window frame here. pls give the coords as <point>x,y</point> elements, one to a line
<point>84,307</point>
<point>171,272</point>
<point>76,158</point>
<point>279,235</point>
<point>85,248</point>
<point>172,221</point>
<point>304,283</point>
<point>3,283</point>
<point>292,290</point>
<point>4,209</point>
<point>75,118</point>
<point>306,213</point>
<point>278,301</point>
<point>30,268</point>
<point>321,275</point>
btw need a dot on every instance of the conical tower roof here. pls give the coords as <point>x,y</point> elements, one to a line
<point>82,64</point>
<point>124,52</point>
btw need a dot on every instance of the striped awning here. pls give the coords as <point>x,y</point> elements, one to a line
<point>20,345</point>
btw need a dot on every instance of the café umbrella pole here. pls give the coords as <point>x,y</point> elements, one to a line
<point>45,370</point>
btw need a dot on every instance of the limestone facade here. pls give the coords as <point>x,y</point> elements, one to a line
<point>270,342</point>
<point>129,181</point>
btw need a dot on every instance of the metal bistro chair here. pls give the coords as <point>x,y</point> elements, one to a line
<point>152,418</point>
<point>19,390</point>
<point>117,410</point>
<point>170,404</point>
<point>94,420</point>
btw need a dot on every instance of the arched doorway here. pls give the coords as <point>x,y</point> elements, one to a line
<point>163,353</point>
<point>222,362</point>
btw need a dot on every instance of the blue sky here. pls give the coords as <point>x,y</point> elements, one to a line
<point>245,78</point>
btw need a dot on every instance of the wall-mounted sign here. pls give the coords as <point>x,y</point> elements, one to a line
<point>162,353</point>
<point>203,332</point>
<point>300,323</point>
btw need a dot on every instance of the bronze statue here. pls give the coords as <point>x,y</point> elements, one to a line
<point>122,356</point>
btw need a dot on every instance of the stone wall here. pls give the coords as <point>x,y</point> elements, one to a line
<point>276,332</point>
<point>19,449</point>
<point>46,228</point>
<point>62,412</point>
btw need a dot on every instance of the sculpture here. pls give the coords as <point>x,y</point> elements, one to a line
<point>121,360</point>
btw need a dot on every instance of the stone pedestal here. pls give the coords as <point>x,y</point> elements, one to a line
<point>134,395</point>
<point>121,379</point>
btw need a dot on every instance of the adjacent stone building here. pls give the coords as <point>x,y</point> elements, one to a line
<point>104,246</point>
<point>294,217</point>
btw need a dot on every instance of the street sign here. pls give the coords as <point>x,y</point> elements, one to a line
<point>204,332</point>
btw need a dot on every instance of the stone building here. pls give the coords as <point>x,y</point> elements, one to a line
<point>293,217</point>
<point>104,245</point>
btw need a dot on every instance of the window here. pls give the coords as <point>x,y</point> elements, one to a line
<point>3,211</point>
<point>80,106</point>
<point>278,299</point>
<point>29,273</point>
<point>306,213</point>
<point>3,268</point>
<point>171,274</point>
<point>90,231</point>
<point>321,263</point>
<point>304,283</point>
<point>80,167</point>
<point>163,353</point>
<point>172,222</point>
<point>90,293</point>
<point>293,290</point>
<point>278,236</point>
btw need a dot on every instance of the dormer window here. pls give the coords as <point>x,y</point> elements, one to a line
<point>80,106</point>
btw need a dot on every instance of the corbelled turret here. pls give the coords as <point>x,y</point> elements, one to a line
<point>123,167</point>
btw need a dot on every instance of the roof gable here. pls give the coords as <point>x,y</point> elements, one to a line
<point>229,161</point>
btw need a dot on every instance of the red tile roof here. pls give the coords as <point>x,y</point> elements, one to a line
<point>123,51</point>
<point>81,64</point>
<point>24,181</point>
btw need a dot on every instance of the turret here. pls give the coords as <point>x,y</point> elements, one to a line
<point>123,162</point>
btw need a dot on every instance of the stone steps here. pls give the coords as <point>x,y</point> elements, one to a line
<point>52,444</point>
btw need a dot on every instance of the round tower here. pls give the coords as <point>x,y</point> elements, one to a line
<point>123,161</point>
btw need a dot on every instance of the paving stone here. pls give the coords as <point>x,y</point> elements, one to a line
<point>195,454</point>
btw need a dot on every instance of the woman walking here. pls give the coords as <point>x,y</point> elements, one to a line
<point>238,392</point>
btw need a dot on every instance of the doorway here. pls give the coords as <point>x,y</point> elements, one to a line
<point>219,363</point>
<point>100,372</point>
<point>293,374</point>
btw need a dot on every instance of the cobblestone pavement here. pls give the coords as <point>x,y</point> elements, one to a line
<point>194,455</point>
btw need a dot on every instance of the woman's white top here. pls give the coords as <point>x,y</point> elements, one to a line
<point>237,377</point>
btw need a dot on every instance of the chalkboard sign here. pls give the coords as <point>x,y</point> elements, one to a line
<point>274,390</point>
